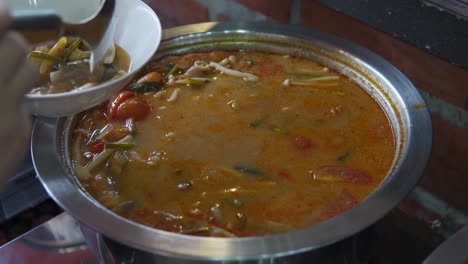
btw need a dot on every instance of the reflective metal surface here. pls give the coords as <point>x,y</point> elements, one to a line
<point>389,87</point>
<point>453,250</point>
<point>56,241</point>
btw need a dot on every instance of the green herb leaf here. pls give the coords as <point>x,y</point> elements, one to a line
<point>145,87</point>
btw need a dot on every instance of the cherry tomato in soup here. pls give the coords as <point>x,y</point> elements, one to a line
<point>115,102</point>
<point>343,174</point>
<point>96,147</point>
<point>135,107</point>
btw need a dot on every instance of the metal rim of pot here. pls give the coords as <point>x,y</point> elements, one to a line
<point>398,97</point>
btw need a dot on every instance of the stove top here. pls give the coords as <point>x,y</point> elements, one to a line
<point>63,240</point>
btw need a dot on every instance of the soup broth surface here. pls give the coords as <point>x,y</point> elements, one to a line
<point>234,144</point>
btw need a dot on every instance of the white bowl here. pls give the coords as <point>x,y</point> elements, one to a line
<point>138,32</point>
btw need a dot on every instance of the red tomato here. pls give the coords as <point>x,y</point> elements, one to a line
<point>343,174</point>
<point>302,143</point>
<point>116,102</point>
<point>135,107</point>
<point>96,147</point>
<point>117,134</point>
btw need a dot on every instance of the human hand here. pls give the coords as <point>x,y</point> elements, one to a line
<point>16,78</point>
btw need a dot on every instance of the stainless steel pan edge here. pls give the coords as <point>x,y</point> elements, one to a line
<point>389,86</point>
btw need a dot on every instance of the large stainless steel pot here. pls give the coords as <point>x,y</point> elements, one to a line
<point>389,87</point>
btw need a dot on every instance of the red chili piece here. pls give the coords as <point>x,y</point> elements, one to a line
<point>96,147</point>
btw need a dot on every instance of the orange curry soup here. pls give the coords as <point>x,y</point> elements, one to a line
<point>233,144</point>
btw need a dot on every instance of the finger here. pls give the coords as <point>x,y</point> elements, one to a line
<point>5,18</point>
<point>13,50</point>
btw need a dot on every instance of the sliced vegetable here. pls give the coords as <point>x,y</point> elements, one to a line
<point>247,76</point>
<point>248,170</point>
<point>197,81</point>
<point>71,49</point>
<point>117,162</point>
<point>120,146</point>
<point>344,174</point>
<point>116,102</point>
<point>85,172</point>
<point>145,87</point>
<point>78,54</point>
<point>196,231</point>
<point>110,55</point>
<point>116,134</point>
<point>57,50</point>
<point>151,77</point>
<point>174,70</point>
<point>44,56</point>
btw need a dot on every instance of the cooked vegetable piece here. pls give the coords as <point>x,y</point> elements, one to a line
<point>174,70</point>
<point>119,146</point>
<point>336,173</point>
<point>197,81</point>
<point>44,56</point>
<point>145,87</point>
<point>57,50</point>
<point>71,49</point>
<point>116,134</point>
<point>154,77</point>
<point>134,107</point>
<point>117,162</point>
<point>116,102</point>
